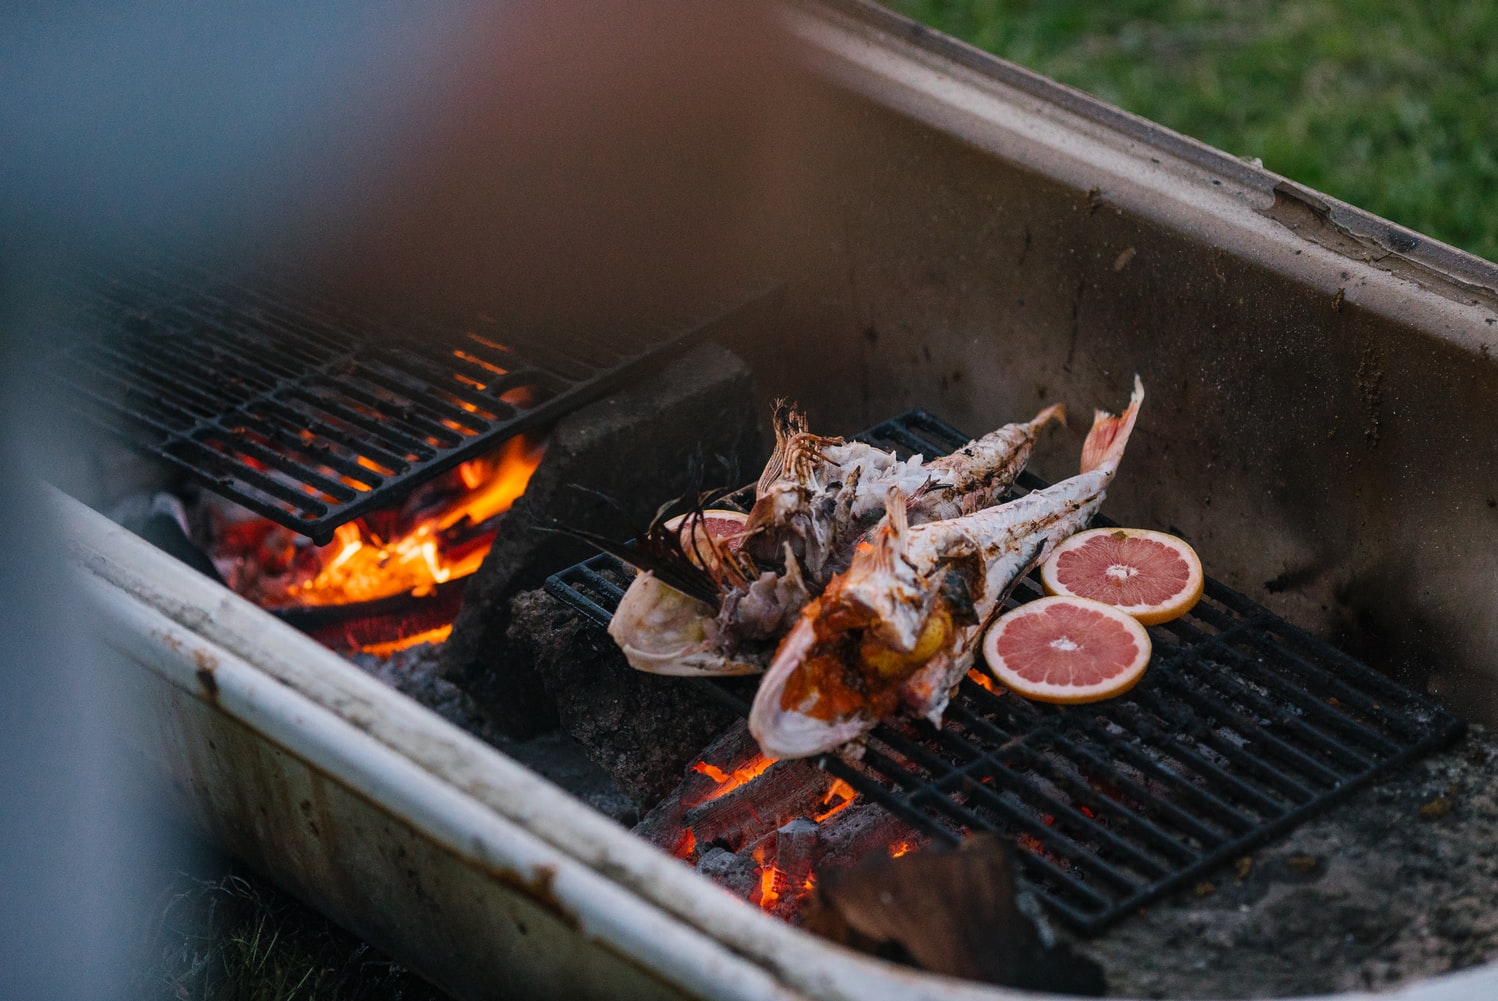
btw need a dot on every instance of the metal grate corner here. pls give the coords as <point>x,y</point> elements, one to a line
<point>1243,727</point>
<point>311,414</point>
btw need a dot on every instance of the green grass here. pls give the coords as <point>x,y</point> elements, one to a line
<point>232,938</point>
<point>1386,104</point>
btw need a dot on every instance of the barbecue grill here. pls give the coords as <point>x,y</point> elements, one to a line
<point>1244,727</point>
<point>1320,407</point>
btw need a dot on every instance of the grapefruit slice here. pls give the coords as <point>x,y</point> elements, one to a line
<point>1150,575</point>
<point>1065,649</point>
<point>716,527</point>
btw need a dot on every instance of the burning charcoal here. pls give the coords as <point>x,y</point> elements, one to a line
<point>607,468</point>
<point>866,829</point>
<point>728,762</point>
<point>787,790</point>
<point>733,754</point>
<point>951,912</point>
<point>737,873</point>
<point>665,827</point>
<point>798,846</point>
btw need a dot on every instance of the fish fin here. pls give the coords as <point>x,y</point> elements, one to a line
<point>1105,442</point>
<point>1055,412</point>
<point>894,530</point>
<point>662,555</point>
<point>659,550</point>
<point>788,423</point>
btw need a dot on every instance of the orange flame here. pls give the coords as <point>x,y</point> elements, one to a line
<point>985,681</point>
<point>363,567</point>
<point>729,781</point>
<point>843,793</point>
<point>436,635</point>
<point>771,880</point>
<point>774,883</point>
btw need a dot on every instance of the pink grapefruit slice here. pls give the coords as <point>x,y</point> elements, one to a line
<point>1068,650</point>
<point>1152,576</point>
<point>716,526</point>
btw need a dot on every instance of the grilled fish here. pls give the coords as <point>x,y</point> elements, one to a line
<point>815,499</point>
<point>898,629</point>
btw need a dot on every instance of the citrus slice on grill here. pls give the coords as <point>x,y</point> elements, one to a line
<point>719,524</point>
<point>1150,575</point>
<point>1065,649</point>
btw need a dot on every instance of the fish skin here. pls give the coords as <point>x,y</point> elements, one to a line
<point>976,475</point>
<point>899,584</point>
<point>828,493</point>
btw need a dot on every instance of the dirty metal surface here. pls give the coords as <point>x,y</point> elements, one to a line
<point>1243,727</point>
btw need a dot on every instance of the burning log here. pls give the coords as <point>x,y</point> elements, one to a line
<point>789,789</point>
<point>730,760</point>
<point>760,828</point>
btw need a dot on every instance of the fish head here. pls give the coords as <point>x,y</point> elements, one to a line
<point>836,674</point>
<point>663,631</point>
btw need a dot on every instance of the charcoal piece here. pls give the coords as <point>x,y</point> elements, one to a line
<point>797,847</point>
<point>643,729</point>
<point>951,912</point>
<point>607,468</point>
<point>665,825</point>
<point>789,789</point>
<point>737,873</point>
<point>866,829</point>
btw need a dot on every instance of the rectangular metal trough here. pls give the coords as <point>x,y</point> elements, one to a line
<point>1320,423</point>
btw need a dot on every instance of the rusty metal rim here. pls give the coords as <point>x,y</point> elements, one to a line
<point>1455,263</point>
<point>435,778</point>
<point>618,920</point>
<point>478,802</point>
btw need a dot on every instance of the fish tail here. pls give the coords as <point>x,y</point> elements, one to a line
<point>1105,442</point>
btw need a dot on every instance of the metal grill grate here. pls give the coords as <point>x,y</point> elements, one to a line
<point>1243,727</point>
<point>311,414</point>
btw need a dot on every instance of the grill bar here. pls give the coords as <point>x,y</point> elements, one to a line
<point>311,414</point>
<point>1243,727</point>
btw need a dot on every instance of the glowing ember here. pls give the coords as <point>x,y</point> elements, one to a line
<point>770,881</point>
<point>441,533</point>
<point>985,681</point>
<point>365,567</point>
<point>843,793</point>
<point>782,859</point>
<point>394,646</point>
<point>729,781</point>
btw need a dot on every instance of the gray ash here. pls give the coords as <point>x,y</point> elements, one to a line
<point>1397,884</point>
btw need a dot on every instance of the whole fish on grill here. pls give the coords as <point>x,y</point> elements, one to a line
<point>898,629</point>
<point>722,611</point>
